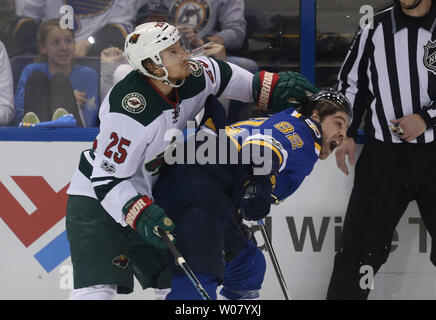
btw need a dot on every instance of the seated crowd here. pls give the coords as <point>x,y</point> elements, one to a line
<point>73,55</point>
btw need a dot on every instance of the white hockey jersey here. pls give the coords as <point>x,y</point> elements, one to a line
<point>134,117</point>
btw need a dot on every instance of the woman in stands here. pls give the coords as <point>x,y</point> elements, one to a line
<point>54,86</point>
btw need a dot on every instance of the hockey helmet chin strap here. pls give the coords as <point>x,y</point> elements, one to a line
<point>168,82</point>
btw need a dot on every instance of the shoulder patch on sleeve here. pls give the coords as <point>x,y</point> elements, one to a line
<point>134,102</point>
<point>133,97</point>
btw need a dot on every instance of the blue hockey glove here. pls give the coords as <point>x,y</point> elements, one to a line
<point>145,217</point>
<point>256,203</point>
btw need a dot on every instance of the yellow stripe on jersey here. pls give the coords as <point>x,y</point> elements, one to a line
<point>19,24</point>
<point>252,122</point>
<point>276,200</point>
<point>317,148</point>
<point>268,145</point>
<point>209,123</point>
<point>296,114</point>
<point>230,133</point>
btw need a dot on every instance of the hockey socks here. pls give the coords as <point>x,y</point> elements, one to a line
<point>243,276</point>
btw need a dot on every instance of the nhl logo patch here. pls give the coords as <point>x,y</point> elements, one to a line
<point>134,102</point>
<point>430,56</point>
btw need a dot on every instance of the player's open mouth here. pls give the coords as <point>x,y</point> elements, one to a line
<point>333,144</point>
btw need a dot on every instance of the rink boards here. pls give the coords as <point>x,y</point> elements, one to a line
<point>305,230</point>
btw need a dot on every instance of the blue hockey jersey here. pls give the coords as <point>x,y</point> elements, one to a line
<point>293,138</point>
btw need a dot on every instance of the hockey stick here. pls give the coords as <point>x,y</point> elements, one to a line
<point>182,263</point>
<point>274,261</point>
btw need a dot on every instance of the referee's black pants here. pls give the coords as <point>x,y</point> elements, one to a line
<point>387,177</point>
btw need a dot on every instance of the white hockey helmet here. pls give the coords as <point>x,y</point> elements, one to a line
<point>146,42</point>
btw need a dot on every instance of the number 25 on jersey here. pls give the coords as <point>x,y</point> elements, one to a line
<point>119,145</point>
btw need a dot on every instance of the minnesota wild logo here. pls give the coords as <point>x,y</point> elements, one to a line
<point>134,102</point>
<point>121,261</point>
<point>134,38</point>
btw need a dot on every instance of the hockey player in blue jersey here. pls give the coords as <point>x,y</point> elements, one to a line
<point>203,199</point>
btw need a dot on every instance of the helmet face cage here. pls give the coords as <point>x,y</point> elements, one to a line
<point>146,42</point>
<point>339,99</point>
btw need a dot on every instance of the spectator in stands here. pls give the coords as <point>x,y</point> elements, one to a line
<point>54,85</point>
<point>17,34</point>
<point>97,24</point>
<point>219,21</point>
<point>6,88</point>
<point>111,59</point>
<point>114,67</point>
<point>152,11</point>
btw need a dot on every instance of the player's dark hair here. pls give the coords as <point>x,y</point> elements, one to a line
<point>151,67</point>
<point>42,35</point>
<point>325,108</point>
<point>327,101</point>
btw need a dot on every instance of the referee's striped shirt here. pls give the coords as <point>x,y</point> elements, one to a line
<point>390,72</point>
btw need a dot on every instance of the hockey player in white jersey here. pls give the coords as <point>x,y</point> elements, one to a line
<point>110,210</point>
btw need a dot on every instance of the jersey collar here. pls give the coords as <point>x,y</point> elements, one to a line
<point>400,20</point>
<point>172,104</point>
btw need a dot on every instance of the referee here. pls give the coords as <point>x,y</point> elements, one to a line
<point>389,75</point>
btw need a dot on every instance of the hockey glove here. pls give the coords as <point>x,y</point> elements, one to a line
<point>279,91</point>
<point>256,203</point>
<point>145,217</point>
